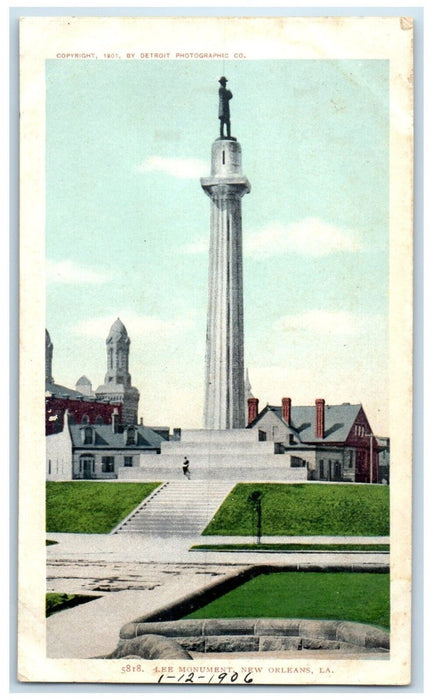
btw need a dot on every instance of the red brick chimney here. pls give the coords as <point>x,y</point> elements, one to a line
<point>253,409</point>
<point>286,409</point>
<point>115,421</point>
<point>320,418</point>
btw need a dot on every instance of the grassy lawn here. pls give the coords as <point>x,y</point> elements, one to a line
<point>89,507</point>
<point>334,596</point>
<point>306,509</point>
<point>54,602</point>
<point>274,547</point>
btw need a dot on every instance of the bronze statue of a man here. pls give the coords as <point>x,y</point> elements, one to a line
<point>224,107</point>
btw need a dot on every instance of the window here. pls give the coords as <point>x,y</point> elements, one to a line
<point>99,420</point>
<point>86,466</point>
<point>296,462</point>
<point>262,436</point>
<point>130,435</point>
<point>321,469</point>
<point>85,419</point>
<point>127,462</point>
<point>49,466</point>
<point>88,436</point>
<point>108,463</point>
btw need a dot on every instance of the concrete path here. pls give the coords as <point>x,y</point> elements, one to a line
<point>92,629</point>
<point>175,549</point>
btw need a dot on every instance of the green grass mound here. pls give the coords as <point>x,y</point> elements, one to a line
<point>307,595</point>
<point>305,509</point>
<point>274,547</point>
<point>89,507</point>
<point>54,602</point>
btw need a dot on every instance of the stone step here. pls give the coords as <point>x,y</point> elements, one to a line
<point>177,509</point>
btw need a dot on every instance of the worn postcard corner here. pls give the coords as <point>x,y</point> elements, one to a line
<point>215,350</point>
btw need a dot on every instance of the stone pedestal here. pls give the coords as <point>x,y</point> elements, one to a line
<point>224,382</point>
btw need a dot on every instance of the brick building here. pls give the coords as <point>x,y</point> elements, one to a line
<point>82,406</point>
<point>335,443</point>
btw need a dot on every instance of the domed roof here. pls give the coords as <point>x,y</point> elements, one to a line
<point>117,330</point>
<point>83,381</point>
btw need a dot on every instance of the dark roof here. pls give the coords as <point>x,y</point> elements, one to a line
<point>62,392</point>
<point>58,391</point>
<point>105,437</point>
<point>338,421</point>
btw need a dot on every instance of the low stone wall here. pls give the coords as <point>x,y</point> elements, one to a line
<point>249,635</point>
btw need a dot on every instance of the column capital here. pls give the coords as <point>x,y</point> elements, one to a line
<point>227,187</point>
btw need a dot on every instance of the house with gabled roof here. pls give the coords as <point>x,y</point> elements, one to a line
<point>85,451</point>
<point>334,442</point>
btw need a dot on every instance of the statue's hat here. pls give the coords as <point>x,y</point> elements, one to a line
<point>223,80</point>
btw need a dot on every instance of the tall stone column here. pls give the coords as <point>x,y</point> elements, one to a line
<point>225,390</point>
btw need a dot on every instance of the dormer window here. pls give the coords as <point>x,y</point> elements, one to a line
<point>131,435</point>
<point>85,419</point>
<point>87,436</point>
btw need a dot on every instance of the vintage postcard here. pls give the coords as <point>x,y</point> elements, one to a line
<point>216,354</point>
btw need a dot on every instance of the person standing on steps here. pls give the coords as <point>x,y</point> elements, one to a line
<point>185,468</point>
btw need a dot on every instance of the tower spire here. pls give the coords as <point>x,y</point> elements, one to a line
<point>49,347</point>
<point>117,383</point>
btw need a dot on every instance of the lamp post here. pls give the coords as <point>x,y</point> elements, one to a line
<point>371,436</point>
<point>255,501</point>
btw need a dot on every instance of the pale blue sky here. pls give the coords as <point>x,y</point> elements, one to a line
<point>128,226</point>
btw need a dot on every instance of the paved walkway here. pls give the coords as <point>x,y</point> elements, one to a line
<point>133,547</point>
<point>93,629</point>
<point>135,575</point>
<point>130,546</point>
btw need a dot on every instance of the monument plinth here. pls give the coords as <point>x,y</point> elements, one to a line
<point>224,383</point>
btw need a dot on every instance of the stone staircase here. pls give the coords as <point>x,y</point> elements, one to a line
<point>178,508</point>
